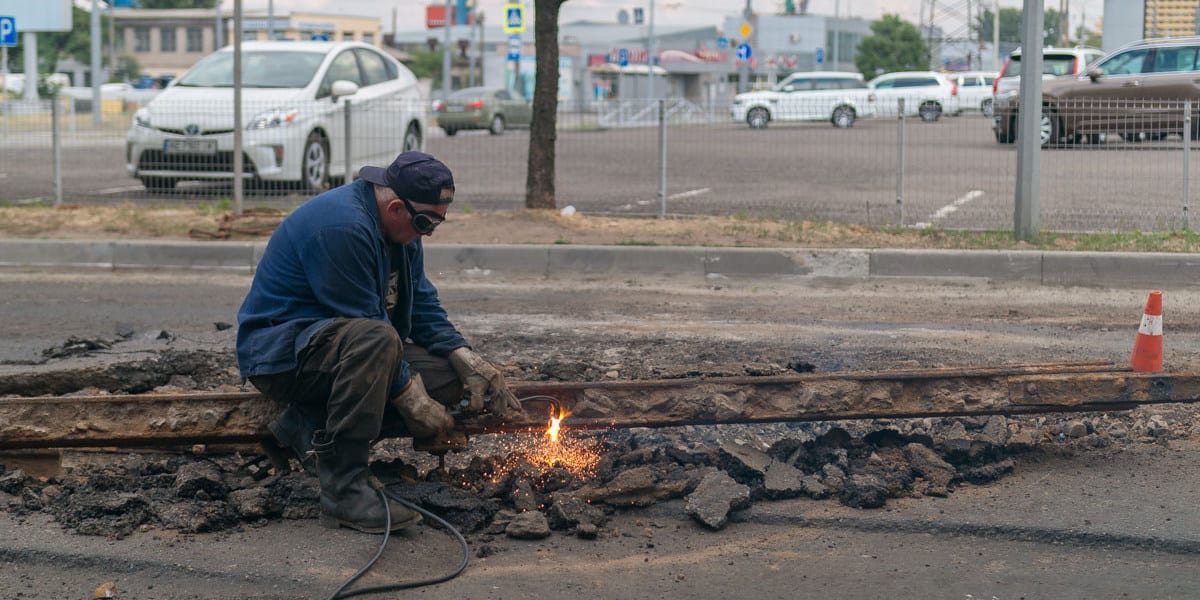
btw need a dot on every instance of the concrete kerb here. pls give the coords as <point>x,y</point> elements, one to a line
<point>1045,268</point>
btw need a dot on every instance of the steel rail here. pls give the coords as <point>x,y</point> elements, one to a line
<point>218,417</point>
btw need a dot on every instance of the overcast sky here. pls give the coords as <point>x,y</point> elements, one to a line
<point>411,13</point>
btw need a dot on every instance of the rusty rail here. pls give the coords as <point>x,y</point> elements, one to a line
<point>172,419</point>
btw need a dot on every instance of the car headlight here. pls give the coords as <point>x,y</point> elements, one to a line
<point>272,118</point>
<point>141,118</point>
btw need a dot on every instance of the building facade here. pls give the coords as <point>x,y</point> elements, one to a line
<point>166,42</point>
<point>1167,18</point>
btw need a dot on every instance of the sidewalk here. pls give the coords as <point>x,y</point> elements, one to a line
<point>1099,269</point>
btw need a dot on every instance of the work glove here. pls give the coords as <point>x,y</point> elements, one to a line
<point>424,416</point>
<point>481,378</point>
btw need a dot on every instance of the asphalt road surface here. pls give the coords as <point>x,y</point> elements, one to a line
<point>1105,523</point>
<point>954,174</point>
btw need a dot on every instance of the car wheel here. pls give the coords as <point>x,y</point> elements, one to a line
<point>412,138</point>
<point>450,131</point>
<point>497,127</point>
<point>1009,135</point>
<point>758,118</point>
<point>988,107</point>
<point>159,184</point>
<point>843,117</point>
<point>314,163</point>
<point>1048,129</point>
<point>930,112</point>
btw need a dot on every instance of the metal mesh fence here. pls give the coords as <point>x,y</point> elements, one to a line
<point>1115,165</point>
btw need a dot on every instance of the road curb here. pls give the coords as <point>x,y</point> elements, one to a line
<point>1035,267</point>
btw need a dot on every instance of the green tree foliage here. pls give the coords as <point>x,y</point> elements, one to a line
<point>177,3</point>
<point>894,45</point>
<point>59,45</point>
<point>1010,26</point>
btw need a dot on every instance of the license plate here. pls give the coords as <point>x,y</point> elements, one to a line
<point>454,109</point>
<point>190,146</point>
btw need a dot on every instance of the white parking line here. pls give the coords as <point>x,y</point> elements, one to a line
<point>946,210</point>
<point>689,193</point>
<point>121,190</point>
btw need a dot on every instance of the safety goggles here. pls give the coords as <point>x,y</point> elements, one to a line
<point>423,221</point>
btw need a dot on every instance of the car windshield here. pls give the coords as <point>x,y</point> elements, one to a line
<point>273,69</point>
<point>1052,64</point>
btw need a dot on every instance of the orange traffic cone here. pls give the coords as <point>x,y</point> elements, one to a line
<point>1148,348</point>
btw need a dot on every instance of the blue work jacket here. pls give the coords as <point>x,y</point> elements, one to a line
<point>329,259</point>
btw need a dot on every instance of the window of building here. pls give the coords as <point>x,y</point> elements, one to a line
<point>368,38</point>
<point>250,35</point>
<point>166,39</point>
<point>141,39</point>
<point>195,39</point>
<point>347,36</point>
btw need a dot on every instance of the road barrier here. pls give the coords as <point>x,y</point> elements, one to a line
<point>1110,166</point>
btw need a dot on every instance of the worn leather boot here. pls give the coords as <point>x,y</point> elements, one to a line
<point>425,417</point>
<point>293,431</point>
<point>350,496</point>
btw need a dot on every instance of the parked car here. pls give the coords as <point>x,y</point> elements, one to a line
<point>839,97</point>
<point>1137,91</point>
<point>1056,62</point>
<point>294,100</point>
<point>926,94</point>
<point>494,109</point>
<point>974,90</point>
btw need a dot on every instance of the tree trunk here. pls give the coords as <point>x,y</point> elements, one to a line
<point>543,131</point>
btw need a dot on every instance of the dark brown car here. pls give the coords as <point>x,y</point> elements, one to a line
<point>1137,91</point>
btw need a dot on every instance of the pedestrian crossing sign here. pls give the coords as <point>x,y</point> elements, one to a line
<point>514,18</point>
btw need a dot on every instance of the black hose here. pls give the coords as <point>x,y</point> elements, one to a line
<point>391,587</point>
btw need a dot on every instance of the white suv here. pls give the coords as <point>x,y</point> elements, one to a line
<point>839,97</point>
<point>927,94</point>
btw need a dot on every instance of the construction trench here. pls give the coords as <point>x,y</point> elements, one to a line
<point>855,437</point>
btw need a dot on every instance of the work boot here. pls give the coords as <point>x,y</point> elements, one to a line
<point>293,431</point>
<point>425,417</point>
<point>350,496</point>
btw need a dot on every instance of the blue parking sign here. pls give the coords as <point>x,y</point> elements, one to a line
<point>744,52</point>
<point>8,31</point>
<point>820,55</point>
<point>514,47</point>
<point>623,57</point>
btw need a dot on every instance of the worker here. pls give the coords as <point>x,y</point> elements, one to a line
<point>342,327</point>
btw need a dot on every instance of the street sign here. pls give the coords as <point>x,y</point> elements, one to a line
<point>820,55</point>
<point>744,52</point>
<point>623,57</point>
<point>319,37</point>
<point>43,15</point>
<point>514,47</point>
<point>638,16</point>
<point>514,18</point>
<point>745,30</point>
<point>723,42</point>
<point>8,31</point>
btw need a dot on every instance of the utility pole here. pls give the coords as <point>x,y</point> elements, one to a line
<point>837,31</point>
<point>95,33</point>
<point>112,40</point>
<point>31,66</point>
<point>219,32</point>
<point>996,33</point>
<point>1026,212</point>
<point>650,55</point>
<point>238,159</point>
<point>446,55</point>
<point>270,19</point>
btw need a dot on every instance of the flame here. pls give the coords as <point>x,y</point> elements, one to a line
<point>555,424</point>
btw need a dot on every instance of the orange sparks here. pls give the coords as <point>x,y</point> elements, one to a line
<point>552,449</point>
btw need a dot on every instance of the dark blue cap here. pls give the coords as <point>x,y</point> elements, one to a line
<point>414,176</point>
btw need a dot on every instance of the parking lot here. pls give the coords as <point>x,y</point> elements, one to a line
<point>949,174</point>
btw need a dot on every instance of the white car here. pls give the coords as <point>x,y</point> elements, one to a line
<point>926,94</point>
<point>975,90</point>
<point>837,97</point>
<point>294,98</point>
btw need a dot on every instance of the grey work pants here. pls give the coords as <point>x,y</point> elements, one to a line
<point>344,373</point>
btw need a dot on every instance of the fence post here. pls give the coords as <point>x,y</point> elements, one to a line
<point>900,162</point>
<point>662,158</point>
<point>349,143</point>
<point>1187,158</point>
<point>56,137</point>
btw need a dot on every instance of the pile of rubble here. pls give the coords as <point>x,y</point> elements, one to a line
<point>715,471</point>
